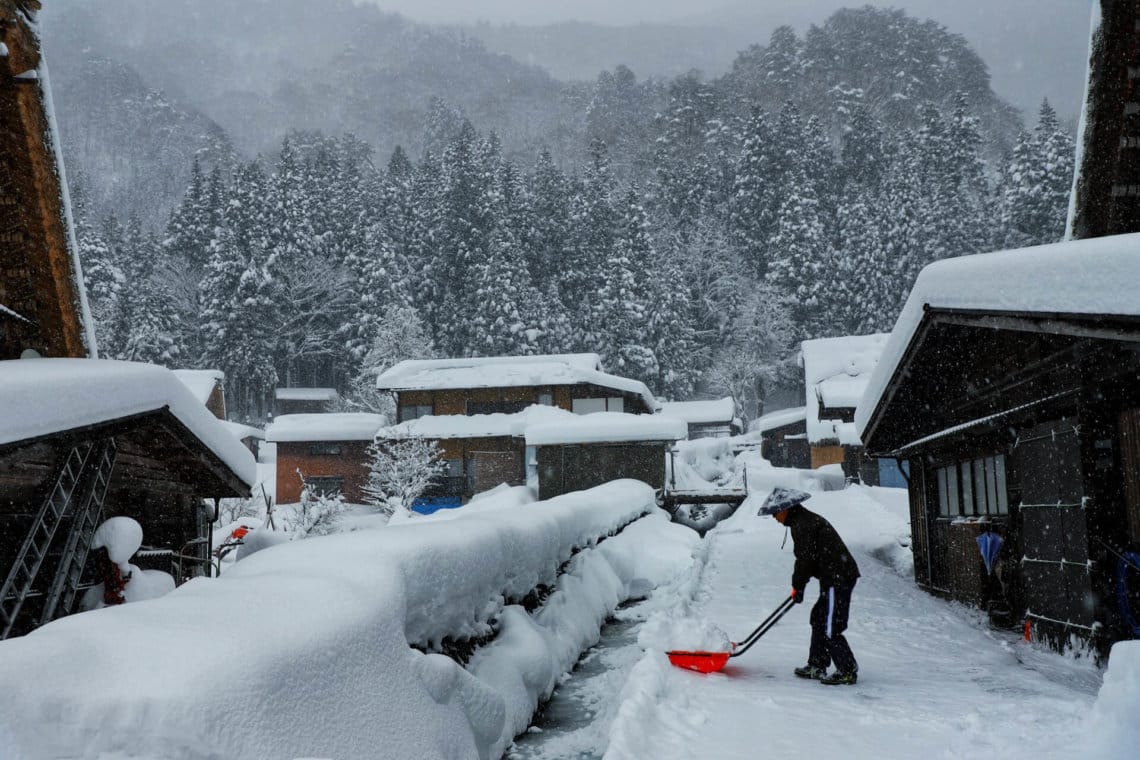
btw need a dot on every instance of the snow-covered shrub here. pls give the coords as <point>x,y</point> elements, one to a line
<point>318,512</point>
<point>399,472</point>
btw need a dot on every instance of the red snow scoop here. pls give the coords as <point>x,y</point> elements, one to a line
<point>711,662</point>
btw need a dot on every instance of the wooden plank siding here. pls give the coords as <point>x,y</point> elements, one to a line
<point>350,464</point>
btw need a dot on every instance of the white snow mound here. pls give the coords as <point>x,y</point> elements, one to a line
<point>688,634</point>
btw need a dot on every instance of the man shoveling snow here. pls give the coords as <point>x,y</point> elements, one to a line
<point>820,553</point>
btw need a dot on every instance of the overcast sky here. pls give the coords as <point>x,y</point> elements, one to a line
<point>1034,48</point>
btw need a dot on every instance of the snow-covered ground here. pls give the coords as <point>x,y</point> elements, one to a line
<point>934,680</point>
<point>302,650</point>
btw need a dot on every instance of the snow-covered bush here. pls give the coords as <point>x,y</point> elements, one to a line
<point>399,472</point>
<point>318,512</point>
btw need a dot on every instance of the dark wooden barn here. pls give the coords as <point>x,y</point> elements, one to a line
<point>80,439</point>
<point>784,438</point>
<point>85,440</point>
<point>1011,390</point>
<point>587,452</point>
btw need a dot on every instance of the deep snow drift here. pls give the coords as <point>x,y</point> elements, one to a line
<point>303,649</point>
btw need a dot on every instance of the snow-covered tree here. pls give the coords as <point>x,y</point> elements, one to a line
<point>400,471</point>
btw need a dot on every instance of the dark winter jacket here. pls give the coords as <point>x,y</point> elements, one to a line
<point>820,552</point>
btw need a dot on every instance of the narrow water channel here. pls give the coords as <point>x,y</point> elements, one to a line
<point>574,724</point>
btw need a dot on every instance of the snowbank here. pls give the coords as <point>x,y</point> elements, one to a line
<point>450,426</point>
<point>242,665</point>
<point>1114,733</point>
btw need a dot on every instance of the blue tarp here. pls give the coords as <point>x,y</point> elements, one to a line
<point>428,505</point>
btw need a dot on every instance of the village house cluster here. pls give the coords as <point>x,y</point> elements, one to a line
<point>1006,400</point>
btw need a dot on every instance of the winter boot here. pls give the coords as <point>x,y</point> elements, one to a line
<point>839,679</point>
<point>807,671</point>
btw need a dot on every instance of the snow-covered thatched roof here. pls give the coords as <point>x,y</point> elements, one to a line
<point>1081,277</point>
<point>701,412</point>
<point>836,372</point>
<point>338,426</point>
<point>48,396</point>
<point>507,372</point>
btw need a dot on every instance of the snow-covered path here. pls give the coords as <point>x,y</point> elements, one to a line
<point>934,680</point>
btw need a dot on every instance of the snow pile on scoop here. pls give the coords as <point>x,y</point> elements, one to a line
<point>303,649</point>
<point>666,634</point>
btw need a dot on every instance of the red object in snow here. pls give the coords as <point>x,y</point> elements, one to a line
<point>702,662</point>
<point>239,532</point>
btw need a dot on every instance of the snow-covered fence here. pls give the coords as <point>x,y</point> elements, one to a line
<point>303,649</point>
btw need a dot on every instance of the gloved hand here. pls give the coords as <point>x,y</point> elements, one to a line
<point>797,595</point>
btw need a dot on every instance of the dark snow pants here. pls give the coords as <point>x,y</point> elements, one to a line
<point>828,622</point>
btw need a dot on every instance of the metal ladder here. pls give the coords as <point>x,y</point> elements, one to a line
<point>18,586</point>
<point>88,514</point>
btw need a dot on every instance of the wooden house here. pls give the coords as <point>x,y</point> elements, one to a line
<point>714,418</point>
<point>84,440</point>
<point>509,384</point>
<point>576,454</point>
<point>1010,387</point>
<point>329,451</point>
<point>836,371</point>
<point>482,451</point>
<point>783,436</point>
<point>304,400</point>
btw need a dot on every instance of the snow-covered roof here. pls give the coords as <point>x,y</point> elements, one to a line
<point>241,432</point>
<point>447,426</point>
<point>1079,277</point>
<point>46,396</point>
<point>55,144</point>
<point>201,382</point>
<point>507,372</point>
<point>778,419</point>
<point>338,426</point>
<point>607,427</point>
<point>306,394</point>
<point>836,372</point>
<point>697,412</point>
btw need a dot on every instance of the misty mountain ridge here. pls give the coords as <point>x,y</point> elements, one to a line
<point>283,65</point>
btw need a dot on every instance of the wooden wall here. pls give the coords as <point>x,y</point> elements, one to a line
<point>38,277</point>
<point>350,464</point>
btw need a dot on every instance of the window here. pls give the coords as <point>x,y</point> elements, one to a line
<point>414,411</point>
<point>324,486</point>
<point>974,488</point>
<point>591,405</point>
<point>546,399</point>
<point>325,449</point>
<point>495,407</point>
